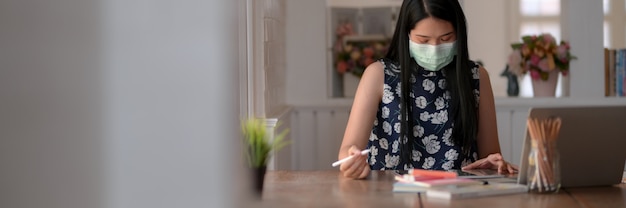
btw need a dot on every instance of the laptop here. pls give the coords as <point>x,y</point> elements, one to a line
<point>591,144</point>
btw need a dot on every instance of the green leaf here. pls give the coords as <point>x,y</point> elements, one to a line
<point>278,142</point>
<point>258,144</point>
<point>517,45</point>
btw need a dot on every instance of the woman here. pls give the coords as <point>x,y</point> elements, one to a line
<point>427,91</point>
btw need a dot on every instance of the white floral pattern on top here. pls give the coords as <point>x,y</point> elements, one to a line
<point>428,163</point>
<point>447,137</point>
<point>399,89</point>
<point>385,112</point>
<point>475,73</point>
<point>387,128</point>
<point>384,144</point>
<point>387,94</point>
<point>448,165</point>
<point>418,131</point>
<point>421,102</point>
<point>417,155</point>
<point>452,154</point>
<point>391,161</point>
<point>442,84</point>
<point>432,129</point>
<point>424,116</point>
<point>373,137</point>
<point>440,103</point>
<point>396,127</point>
<point>431,144</point>
<point>440,117</point>
<point>395,146</point>
<point>429,85</point>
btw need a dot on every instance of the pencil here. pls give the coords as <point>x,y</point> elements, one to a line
<point>335,164</point>
<point>543,134</point>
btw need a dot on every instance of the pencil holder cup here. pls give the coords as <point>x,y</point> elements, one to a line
<point>544,175</point>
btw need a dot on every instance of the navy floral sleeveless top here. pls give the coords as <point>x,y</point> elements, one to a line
<point>433,146</point>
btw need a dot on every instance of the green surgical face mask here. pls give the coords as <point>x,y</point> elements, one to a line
<point>432,57</point>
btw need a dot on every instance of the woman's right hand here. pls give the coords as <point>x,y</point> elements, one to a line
<point>357,167</point>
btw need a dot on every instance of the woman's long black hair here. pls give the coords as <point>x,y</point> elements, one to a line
<point>458,74</point>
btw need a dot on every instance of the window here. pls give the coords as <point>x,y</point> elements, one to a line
<point>614,25</point>
<point>540,8</point>
<point>535,17</point>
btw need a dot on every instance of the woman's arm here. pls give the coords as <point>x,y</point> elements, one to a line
<point>364,109</point>
<point>487,137</point>
<point>488,143</point>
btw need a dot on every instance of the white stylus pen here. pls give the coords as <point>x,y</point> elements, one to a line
<point>335,164</point>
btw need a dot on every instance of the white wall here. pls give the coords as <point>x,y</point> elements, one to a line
<point>487,28</point>
<point>274,49</point>
<point>306,52</point>
<point>583,25</point>
<point>51,151</point>
<point>171,86</point>
<point>118,103</point>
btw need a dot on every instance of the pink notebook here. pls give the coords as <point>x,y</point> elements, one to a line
<point>441,182</point>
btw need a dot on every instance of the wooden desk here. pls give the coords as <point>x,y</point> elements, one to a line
<point>330,189</point>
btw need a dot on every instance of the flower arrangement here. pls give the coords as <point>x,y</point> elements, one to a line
<point>540,55</point>
<point>352,54</point>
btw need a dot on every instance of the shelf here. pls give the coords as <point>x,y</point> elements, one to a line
<point>515,102</point>
<point>501,102</point>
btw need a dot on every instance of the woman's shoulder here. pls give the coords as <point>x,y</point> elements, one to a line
<point>373,71</point>
<point>391,67</point>
<point>375,66</point>
<point>389,62</point>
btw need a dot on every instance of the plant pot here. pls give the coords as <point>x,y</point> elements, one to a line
<point>258,178</point>
<point>546,88</point>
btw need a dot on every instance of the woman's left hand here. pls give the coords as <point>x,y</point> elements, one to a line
<point>493,161</point>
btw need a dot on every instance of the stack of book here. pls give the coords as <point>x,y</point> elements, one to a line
<point>447,185</point>
<point>615,72</point>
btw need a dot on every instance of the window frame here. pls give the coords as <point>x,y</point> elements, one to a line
<point>616,24</point>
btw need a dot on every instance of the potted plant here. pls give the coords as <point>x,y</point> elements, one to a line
<point>259,146</point>
<point>543,58</point>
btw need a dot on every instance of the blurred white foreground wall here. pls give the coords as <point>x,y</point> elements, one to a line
<point>118,103</point>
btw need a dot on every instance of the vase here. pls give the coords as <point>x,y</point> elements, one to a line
<point>546,88</point>
<point>350,84</point>
<point>258,178</point>
<point>543,173</point>
<point>565,84</point>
